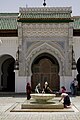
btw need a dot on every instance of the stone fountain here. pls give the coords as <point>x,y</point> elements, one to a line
<point>42,98</point>
<point>42,101</point>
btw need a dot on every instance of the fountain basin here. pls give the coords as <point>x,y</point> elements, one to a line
<point>42,98</point>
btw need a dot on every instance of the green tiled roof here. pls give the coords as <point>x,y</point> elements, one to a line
<point>45,15</point>
<point>76,24</point>
<point>45,12</point>
<point>8,21</point>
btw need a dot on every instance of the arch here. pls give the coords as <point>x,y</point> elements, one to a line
<point>44,68</point>
<point>47,56</point>
<point>7,78</point>
<point>42,48</point>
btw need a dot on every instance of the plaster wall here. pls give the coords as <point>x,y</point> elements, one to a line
<point>76,47</point>
<point>65,81</point>
<point>20,83</point>
<point>9,46</point>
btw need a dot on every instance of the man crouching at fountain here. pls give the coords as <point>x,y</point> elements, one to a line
<point>38,88</point>
<point>46,88</point>
<point>66,100</point>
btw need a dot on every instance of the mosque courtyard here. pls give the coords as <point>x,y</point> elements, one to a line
<point>9,104</point>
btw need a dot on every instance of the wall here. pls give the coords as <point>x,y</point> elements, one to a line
<point>20,82</point>
<point>76,47</point>
<point>9,46</point>
<point>65,81</point>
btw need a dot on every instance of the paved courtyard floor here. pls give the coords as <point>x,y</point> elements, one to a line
<point>8,102</point>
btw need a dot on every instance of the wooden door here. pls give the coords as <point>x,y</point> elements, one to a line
<point>44,71</point>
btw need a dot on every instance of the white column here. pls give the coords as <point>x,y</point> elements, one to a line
<point>28,79</point>
<point>20,83</point>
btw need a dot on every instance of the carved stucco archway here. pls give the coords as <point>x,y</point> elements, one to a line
<point>55,51</point>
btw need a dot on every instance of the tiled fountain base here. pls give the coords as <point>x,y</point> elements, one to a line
<point>49,105</point>
<point>31,106</point>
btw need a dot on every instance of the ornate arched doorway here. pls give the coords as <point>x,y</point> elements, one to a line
<point>45,68</point>
<point>7,76</point>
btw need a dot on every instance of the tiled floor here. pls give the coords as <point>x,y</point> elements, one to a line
<point>8,103</point>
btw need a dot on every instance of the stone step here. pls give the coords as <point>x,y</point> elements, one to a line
<point>42,106</point>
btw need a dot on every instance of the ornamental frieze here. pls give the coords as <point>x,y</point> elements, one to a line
<point>45,30</point>
<point>45,47</point>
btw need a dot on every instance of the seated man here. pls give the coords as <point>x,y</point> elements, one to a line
<point>46,88</point>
